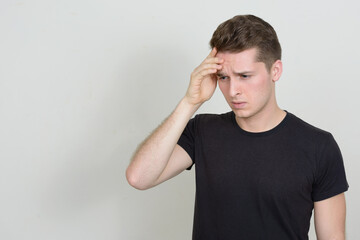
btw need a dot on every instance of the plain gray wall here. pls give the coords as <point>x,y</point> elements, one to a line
<point>83,82</point>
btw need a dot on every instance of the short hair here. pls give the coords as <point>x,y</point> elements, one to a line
<point>243,32</point>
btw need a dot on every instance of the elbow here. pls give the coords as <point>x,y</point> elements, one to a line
<point>135,180</point>
<point>340,236</point>
<point>335,236</point>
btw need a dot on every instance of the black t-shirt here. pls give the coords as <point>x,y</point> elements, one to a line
<point>259,185</point>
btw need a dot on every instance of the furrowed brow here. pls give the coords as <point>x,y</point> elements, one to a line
<point>244,73</point>
<point>220,74</point>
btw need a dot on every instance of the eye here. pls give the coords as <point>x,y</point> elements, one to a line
<point>244,76</point>
<point>222,78</point>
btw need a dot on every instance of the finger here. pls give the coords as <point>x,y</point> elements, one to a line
<point>207,72</point>
<point>212,53</point>
<point>214,60</point>
<point>207,66</point>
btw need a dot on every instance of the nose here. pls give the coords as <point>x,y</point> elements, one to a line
<point>235,87</point>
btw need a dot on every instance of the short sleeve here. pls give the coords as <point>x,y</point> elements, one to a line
<point>187,140</point>
<point>330,177</point>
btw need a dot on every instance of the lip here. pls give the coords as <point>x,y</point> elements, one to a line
<point>238,105</point>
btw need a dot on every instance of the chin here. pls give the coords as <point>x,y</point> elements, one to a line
<point>242,113</point>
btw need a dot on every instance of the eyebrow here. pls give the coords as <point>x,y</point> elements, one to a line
<point>236,73</point>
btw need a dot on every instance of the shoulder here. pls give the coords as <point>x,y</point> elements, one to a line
<point>313,141</point>
<point>305,130</point>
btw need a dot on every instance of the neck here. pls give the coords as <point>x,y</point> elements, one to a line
<point>264,120</point>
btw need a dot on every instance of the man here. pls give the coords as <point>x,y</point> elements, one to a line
<point>260,170</point>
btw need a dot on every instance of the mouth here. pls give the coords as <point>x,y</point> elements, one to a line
<point>238,105</point>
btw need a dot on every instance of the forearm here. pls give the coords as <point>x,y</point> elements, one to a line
<point>153,154</point>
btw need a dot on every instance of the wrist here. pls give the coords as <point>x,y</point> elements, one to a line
<point>187,103</point>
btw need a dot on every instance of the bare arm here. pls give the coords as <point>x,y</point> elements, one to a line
<point>152,156</point>
<point>159,157</point>
<point>329,218</point>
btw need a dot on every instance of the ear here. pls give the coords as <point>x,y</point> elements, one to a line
<point>276,70</point>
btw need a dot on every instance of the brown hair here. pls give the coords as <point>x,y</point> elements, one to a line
<point>243,32</point>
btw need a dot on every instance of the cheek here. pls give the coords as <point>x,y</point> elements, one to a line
<point>260,88</point>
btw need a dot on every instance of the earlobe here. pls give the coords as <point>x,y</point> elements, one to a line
<point>276,70</point>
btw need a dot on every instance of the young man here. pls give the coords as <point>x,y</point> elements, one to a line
<point>260,170</point>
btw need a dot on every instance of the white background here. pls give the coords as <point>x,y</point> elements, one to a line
<point>83,82</point>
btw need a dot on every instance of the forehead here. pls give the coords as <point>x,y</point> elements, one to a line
<point>239,61</point>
